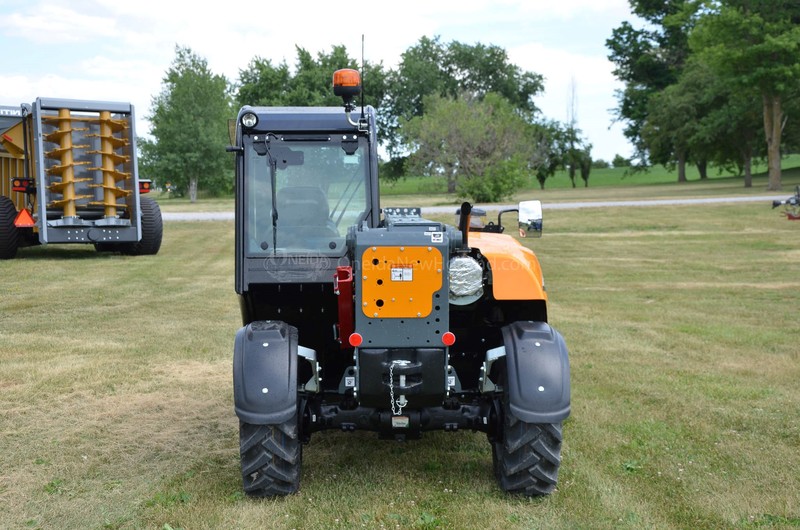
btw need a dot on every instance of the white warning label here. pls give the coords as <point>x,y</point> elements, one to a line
<point>436,237</point>
<point>402,274</point>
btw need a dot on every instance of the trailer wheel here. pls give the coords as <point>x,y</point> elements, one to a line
<point>271,456</point>
<point>527,459</point>
<point>152,229</point>
<point>9,233</point>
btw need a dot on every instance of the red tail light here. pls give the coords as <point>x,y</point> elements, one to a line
<point>22,185</point>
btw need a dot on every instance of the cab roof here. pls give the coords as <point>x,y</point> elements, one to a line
<point>302,119</point>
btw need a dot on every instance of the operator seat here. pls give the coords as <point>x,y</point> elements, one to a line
<point>303,212</point>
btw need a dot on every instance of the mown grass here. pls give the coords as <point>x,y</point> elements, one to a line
<point>116,395</point>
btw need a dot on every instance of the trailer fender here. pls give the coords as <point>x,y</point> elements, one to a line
<point>537,370</point>
<point>265,372</point>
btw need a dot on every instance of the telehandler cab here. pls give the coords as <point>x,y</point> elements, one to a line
<point>362,318</point>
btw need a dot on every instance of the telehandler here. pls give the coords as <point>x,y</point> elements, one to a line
<point>362,318</point>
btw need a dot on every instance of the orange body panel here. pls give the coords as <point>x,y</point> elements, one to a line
<point>516,274</point>
<point>399,282</point>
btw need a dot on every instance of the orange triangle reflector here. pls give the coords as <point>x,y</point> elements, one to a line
<point>24,219</point>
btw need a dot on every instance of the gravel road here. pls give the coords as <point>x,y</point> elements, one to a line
<point>766,199</point>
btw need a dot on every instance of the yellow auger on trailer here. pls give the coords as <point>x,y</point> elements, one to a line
<point>68,174</point>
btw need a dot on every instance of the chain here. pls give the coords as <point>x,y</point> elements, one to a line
<point>391,391</point>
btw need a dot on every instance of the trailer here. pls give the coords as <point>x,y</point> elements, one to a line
<point>68,174</point>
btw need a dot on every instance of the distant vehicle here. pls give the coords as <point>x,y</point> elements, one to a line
<point>791,206</point>
<point>68,174</point>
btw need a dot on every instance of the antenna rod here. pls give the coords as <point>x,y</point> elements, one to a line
<point>363,75</point>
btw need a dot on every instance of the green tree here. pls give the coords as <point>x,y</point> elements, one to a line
<point>263,83</point>
<point>478,146</point>
<point>725,132</point>
<point>732,132</point>
<point>499,181</point>
<point>756,44</point>
<point>648,60</point>
<point>189,128</point>
<point>586,164</point>
<point>675,116</point>
<point>451,70</point>
<point>575,152</point>
<point>620,161</point>
<point>310,84</point>
<point>550,143</point>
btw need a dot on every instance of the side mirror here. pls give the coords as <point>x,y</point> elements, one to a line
<point>530,219</point>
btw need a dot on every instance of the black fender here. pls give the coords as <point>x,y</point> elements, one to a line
<point>265,372</point>
<point>537,372</point>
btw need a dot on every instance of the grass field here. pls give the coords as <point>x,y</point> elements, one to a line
<point>116,395</point>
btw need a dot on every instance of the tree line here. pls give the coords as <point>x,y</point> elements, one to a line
<point>710,82</point>
<point>462,113</point>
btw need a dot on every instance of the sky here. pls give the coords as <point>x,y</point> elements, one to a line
<point>113,50</point>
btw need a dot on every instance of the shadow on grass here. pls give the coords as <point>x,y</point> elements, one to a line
<point>59,252</point>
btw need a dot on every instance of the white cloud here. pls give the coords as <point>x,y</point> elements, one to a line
<point>55,24</point>
<point>566,9</point>
<point>119,51</point>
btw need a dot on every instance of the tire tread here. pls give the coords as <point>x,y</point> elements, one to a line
<point>9,233</point>
<point>527,460</point>
<point>270,458</point>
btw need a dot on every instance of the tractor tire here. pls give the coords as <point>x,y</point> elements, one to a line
<point>271,456</point>
<point>9,233</point>
<point>152,230</point>
<point>527,459</point>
